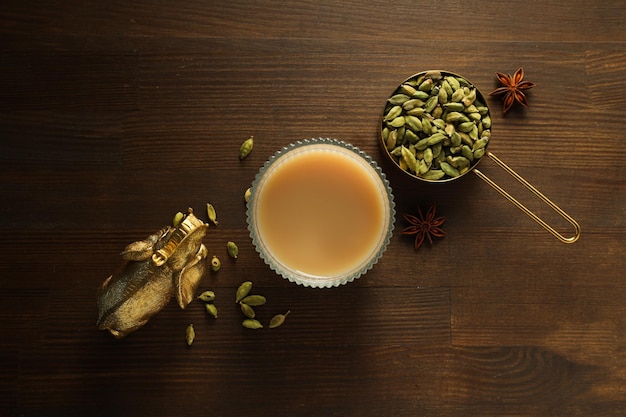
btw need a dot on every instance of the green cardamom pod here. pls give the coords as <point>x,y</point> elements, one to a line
<point>252,324</point>
<point>407,89</point>
<point>413,103</point>
<point>454,83</point>
<point>479,153</point>
<point>454,106</point>
<point>466,151</point>
<point>413,123</point>
<point>474,116</point>
<point>479,144</point>
<point>232,249</point>
<point>434,74</point>
<point>426,85</point>
<point>466,139</point>
<point>455,149</point>
<point>446,86</point>
<point>243,291</point>
<point>410,136</point>
<point>486,122</point>
<point>216,264</point>
<point>471,109</point>
<point>207,296</point>
<point>397,122</point>
<point>457,96</point>
<point>398,99</point>
<point>390,142</point>
<point>421,95</point>
<point>397,152</point>
<point>465,127</point>
<point>246,147</point>
<point>483,110</point>
<point>473,133</point>
<point>463,82</point>
<point>403,165</point>
<point>442,96</point>
<point>190,334</point>
<point>211,309</point>
<point>439,123</point>
<point>422,144</point>
<point>430,104</point>
<point>469,98</point>
<point>400,131</point>
<point>247,310</point>
<point>254,300</point>
<point>449,129</point>
<point>211,213</point>
<point>247,194</point>
<point>409,159</point>
<point>178,217</point>
<point>435,138</point>
<point>458,161</point>
<point>449,169</point>
<point>394,112</point>
<point>418,111</point>
<point>427,126</point>
<point>428,155</point>
<point>433,174</point>
<point>456,116</point>
<point>455,139</point>
<point>278,320</point>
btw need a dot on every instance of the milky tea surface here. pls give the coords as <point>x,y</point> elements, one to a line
<point>321,211</point>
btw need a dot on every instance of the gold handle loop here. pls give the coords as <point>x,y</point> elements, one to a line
<point>524,208</point>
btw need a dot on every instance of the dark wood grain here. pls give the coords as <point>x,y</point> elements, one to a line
<point>115,115</point>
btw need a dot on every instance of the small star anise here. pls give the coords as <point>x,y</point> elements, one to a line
<point>424,227</point>
<point>512,89</point>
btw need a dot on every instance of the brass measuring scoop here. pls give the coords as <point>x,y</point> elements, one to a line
<point>419,97</point>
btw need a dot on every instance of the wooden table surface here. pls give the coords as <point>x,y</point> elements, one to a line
<point>115,115</point>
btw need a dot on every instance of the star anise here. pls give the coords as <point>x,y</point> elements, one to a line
<point>513,89</point>
<point>424,227</point>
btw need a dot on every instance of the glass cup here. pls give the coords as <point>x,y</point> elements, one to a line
<point>320,213</point>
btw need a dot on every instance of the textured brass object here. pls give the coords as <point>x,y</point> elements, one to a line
<point>169,263</point>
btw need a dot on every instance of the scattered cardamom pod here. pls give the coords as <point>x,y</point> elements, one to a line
<point>254,300</point>
<point>278,320</point>
<point>212,213</point>
<point>247,310</point>
<point>246,195</point>
<point>232,249</point>
<point>207,296</point>
<point>211,309</point>
<point>190,334</point>
<point>216,264</point>
<point>178,217</point>
<point>246,147</point>
<point>252,324</point>
<point>243,291</point>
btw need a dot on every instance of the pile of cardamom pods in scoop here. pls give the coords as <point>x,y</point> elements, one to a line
<point>436,126</point>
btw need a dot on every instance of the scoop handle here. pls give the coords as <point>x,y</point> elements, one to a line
<point>537,193</point>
